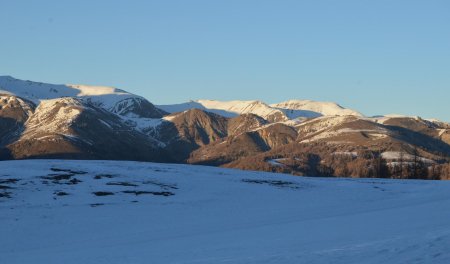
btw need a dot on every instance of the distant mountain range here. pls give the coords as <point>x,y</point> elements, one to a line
<point>290,110</point>
<point>39,120</point>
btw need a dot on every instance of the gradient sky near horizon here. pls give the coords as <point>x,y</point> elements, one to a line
<point>378,57</point>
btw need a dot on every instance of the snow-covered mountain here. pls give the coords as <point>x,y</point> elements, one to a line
<point>115,212</point>
<point>284,111</point>
<point>109,98</point>
<point>230,108</point>
<point>74,121</point>
<point>40,120</point>
<point>309,109</point>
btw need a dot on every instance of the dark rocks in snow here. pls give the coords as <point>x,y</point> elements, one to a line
<point>276,183</point>
<point>149,192</point>
<point>127,184</point>
<point>101,176</point>
<point>101,193</point>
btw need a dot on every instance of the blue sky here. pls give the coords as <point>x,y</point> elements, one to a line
<point>378,56</point>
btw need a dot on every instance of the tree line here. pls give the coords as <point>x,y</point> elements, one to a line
<point>322,161</point>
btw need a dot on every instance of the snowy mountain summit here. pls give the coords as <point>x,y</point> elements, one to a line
<point>37,91</point>
<point>308,108</point>
<point>109,98</point>
<point>117,101</point>
<point>284,111</point>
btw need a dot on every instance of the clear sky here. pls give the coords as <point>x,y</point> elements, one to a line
<point>377,56</point>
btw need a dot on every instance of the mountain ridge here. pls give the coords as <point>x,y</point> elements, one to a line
<point>39,120</point>
<point>284,111</point>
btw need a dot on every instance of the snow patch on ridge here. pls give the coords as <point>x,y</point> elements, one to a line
<point>285,111</point>
<point>310,109</point>
<point>103,96</point>
<point>228,108</point>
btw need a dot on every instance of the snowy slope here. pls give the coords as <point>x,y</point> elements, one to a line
<point>308,108</point>
<point>241,107</point>
<point>106,97</point>
<point>288,110</point>
<point>45,120</point>
<point>228,108</point>
<point>130,212</point>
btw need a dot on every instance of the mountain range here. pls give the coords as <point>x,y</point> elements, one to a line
<point>39,120</point>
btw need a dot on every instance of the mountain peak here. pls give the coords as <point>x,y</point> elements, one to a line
<point>309,108</point>
<point>110,98</point>
<point>230,108</point>
<point>288,110</point>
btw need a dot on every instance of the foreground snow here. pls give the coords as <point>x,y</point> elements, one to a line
<point>130,212</point>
